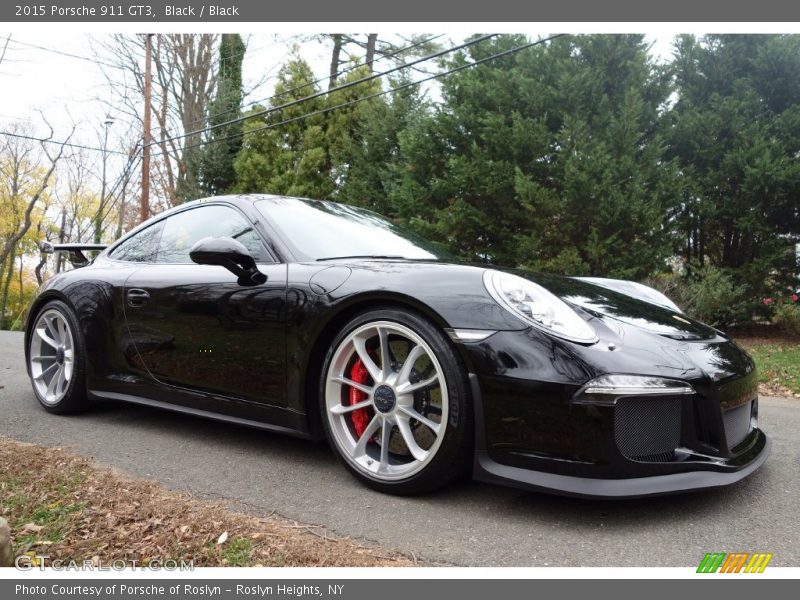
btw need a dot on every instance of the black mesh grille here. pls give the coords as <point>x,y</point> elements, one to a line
<point>648,428</point>
<point>663,457</point>
<point>737,424</point>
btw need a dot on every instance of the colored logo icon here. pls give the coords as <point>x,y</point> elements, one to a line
<point>737,562</point>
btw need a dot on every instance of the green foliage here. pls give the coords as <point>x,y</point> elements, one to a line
<point>712,296</point>
<point>300,150</point>
<point>369,162</point>
<point>270,160</point>
<point>217,174</point>
<point>787,318</point>
<point>736,134</point>
<point>549,159</point>
<point>708,294</point>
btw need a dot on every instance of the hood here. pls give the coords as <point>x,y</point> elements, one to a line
<point>632,288</point>
<point>602,301</point>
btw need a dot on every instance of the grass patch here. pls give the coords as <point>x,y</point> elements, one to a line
<point>63,506</point>
<point>778,365</point>
<point>238,552</point>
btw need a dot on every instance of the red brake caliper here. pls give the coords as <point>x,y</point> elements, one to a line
<point>359,374</point>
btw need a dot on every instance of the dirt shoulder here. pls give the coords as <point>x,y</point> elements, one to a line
<point>65,506</point>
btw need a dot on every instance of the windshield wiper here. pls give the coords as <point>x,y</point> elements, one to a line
<point>392,256</point>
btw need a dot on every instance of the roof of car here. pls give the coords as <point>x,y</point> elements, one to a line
<point>250,198</point>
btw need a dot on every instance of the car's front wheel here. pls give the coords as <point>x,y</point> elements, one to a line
<point>396,403</point>
<point>56,360</point>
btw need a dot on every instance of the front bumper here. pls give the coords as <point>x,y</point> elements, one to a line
<point>655,485</point>
<point>534,431</point>
<point>748,459</point>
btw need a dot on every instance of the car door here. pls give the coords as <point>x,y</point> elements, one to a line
<point>195,327</point>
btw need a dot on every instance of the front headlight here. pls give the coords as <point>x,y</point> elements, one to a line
<point>538,307</point>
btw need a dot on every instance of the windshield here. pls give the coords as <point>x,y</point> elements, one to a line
<point>318,230</point>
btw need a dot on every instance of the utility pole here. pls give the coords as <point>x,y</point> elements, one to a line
<point>144,208</point>
<point>62,235</point>
<point>98,219</point>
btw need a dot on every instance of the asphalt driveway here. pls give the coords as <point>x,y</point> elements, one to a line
<point>467,524</point>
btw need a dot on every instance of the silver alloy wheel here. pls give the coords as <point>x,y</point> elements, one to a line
<point>406,401</point>
<point>52,356</point>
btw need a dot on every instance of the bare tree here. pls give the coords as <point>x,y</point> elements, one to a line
<point>366,48</point>
<point>184,81</point>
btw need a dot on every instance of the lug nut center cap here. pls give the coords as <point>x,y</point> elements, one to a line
<point>384,399</point>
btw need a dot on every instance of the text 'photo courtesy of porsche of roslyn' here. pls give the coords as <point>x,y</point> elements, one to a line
<point>456,295</point>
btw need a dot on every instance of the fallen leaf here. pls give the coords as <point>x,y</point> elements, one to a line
<point>223,538</point>
<point>31,528</point>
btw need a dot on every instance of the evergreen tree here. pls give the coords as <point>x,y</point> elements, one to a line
<point>289,158</point>
<point>217,174</point>
<point>306,152</point>
<point>736,133</point>
<point>550,158</point>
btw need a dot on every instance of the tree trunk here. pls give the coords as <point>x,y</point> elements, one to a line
<point>9,274</point>
<point>121,217</point>
<point>20,275</point>
<point>335,55</point>
<point>38,269</point>
<point>372,38</point>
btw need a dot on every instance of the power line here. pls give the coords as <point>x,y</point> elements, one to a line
<point>60,143</point>
<point>352,68</point>
<point>68,54</point>
<point>321,93</point>
<point>134,159</point>
<point>339,73</point>
<point>381,93</point>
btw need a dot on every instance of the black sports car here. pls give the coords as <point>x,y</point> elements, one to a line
<point>324,320</point>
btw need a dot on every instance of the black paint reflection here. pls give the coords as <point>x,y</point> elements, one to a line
<point>214,335</point>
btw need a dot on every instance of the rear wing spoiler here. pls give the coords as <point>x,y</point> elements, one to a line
<point>75,251</point>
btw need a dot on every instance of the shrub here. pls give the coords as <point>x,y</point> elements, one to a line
<point>708,294</point>
<point>713,297</point>
<point>787,318</point>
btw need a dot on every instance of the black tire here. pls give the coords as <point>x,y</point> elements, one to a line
<point>74,399</point>
<point>453,459</point>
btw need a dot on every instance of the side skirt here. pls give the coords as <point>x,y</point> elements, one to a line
<point>201,413</point>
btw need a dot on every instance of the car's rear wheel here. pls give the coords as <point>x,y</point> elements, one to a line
<point>56,360</point>
<point>396,404</point>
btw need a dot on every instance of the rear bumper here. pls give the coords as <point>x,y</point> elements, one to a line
<point>670,478</point>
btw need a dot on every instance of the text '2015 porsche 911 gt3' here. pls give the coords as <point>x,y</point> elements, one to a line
<point>319,319</point>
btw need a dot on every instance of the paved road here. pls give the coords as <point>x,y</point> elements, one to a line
<point>468,524</point>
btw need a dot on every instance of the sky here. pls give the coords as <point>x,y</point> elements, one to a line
<point>69,88</point>
<point>37,82</point>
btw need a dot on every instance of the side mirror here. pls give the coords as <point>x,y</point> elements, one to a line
<point>227,252</point>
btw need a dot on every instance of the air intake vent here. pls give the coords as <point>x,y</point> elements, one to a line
<point>737,424</point>
<point>647,428</point>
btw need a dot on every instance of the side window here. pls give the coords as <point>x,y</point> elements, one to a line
<point>182,231</point>
<point>139,248</point>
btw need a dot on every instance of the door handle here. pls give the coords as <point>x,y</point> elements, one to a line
<point>137,297</point>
